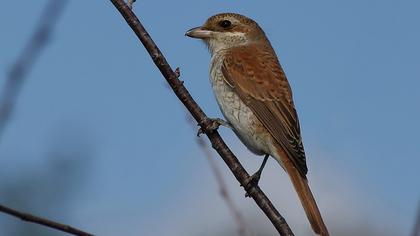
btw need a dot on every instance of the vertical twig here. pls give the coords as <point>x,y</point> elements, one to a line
<point>32,50</point>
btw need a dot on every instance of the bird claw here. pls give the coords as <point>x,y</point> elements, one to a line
<point>253,179</point>
<point>216,122</point>
<point>177,72</point>
<point>200,132</point>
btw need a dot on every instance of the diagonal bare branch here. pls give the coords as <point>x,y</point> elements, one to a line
<point>217,142</point>
<point>42,221</point>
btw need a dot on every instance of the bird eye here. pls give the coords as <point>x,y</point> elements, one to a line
<point>225,23</point>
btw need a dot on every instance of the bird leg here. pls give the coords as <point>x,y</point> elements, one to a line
<point>257,175</point>
<point>255,178</point>
<point>216,122</point>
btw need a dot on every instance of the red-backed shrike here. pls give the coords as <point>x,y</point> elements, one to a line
<point>256,99</point>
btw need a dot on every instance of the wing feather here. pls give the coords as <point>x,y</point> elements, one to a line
<point>254,72</point>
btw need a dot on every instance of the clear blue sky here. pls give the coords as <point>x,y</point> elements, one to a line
<point>354,68</point>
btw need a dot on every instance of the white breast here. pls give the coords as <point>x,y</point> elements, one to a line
<point>238,114</point>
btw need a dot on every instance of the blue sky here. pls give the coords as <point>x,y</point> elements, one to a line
<point>353,66</point>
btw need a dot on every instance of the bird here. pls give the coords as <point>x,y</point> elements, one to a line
<point>256,100</point>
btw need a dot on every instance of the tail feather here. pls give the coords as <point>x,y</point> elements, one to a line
<point>305,195</point>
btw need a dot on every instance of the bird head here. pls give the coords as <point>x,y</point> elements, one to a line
<point>227,30</point>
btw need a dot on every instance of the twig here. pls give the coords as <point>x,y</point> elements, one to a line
<point>243,230</point>
<point>130,3</point>
<point>19,70</point>
<point>41,221</point>
<point>217,142</point>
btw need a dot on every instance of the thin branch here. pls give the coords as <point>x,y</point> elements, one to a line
<point>243,229</point>
<point>217,142</point>
<point>32,50</point>
<point>41,221</point>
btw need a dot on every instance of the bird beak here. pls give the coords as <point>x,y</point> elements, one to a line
<point>199,32</point>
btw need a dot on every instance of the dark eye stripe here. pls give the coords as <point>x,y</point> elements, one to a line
<point>225,23</point>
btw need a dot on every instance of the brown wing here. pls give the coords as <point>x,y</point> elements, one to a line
<point>254,72</point>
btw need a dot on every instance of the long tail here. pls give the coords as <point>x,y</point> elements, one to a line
<point>305,195</point>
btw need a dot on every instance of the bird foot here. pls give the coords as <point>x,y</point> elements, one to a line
<point>216,122</point>
<point>253,179</point>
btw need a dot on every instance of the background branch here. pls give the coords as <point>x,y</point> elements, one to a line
<point>217,142</point>
<point>42,221</point>
<point>14,81</point>
<point>32,50</point>
<point>243,229</point>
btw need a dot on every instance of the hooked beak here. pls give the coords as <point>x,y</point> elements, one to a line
<point>199,32</point>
